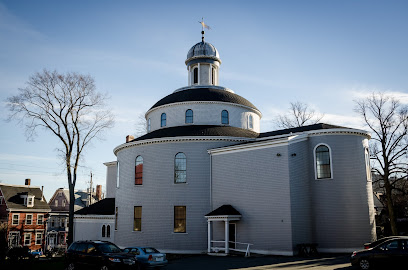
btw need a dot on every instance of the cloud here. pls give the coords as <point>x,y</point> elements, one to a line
<point>361,92</point>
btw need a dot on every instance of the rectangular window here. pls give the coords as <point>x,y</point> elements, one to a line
<point>16,219</point>
<point>53,222</point>
<point>38,238</point>
<point>14,239</point>
<point>29,219</point>
<point>30,201</point>
<point>116,218</point>
<point>2,200</point>
<point>40,219</point>
<point>27,239</point>
<point>137,223</point>
<point>179,219</point>
<point>117,175</point>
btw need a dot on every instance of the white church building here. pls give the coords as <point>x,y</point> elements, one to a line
<point>205,179</point>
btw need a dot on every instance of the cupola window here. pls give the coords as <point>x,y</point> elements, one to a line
<point>189,116</point>
<point>148,125</point>
<point>213,76</point>
<point>163,120</point>
<point>195,75</point>
<point>250,122</point>
<point>224,117</point>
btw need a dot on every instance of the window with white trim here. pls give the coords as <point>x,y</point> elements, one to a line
<point>117,175</point>
<point>180,168</point>
<point>250,122</point>
<point>103,230</point>
<point>108,231</point>
<point>195,75</point>
<point>367,163</point>
<point>27,239</point>
<point>15,219</point>
<point>189,116</point>
<point>148,125</point>
<point>163,120</point>
<point>30,201</point>
<point>38,238</point>
<point>179,219</point>
<point>224,117</point>
<point>29,219</point>
<point>40,219</point>
<point>139,170</point>
<point>323,162</point>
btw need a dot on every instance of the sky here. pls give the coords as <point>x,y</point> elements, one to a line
<point>326,54</point>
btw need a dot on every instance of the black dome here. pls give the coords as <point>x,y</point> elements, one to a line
<point>204,94</point>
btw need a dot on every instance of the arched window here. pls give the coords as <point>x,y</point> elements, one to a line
<point>148,125</point>
<point>180,168</point>
<point>103,230</point>
<point>108,231</point>
<point>367,161</point>
<point>163,120</point>
<point>213,76</point>
<point>224,117</point>
<point>195,75</point>
<point>189,116</point>
<point>323,164</point>
<point>139,170</point>
<point>250,122</point>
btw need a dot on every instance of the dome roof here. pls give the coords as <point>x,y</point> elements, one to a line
<point>203,94</point>
<point>203,50</point>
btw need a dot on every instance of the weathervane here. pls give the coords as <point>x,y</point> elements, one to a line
<point>203,26</point>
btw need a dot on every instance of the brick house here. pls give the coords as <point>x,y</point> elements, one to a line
<point>24,209</point>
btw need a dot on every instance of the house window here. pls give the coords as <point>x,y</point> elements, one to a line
<point>62,222</point>
<point>103,230</point>
<point>30,201</point>
<point>224,117</point>
<point>117,175</point>
<point>250,122</point>
<point>148,125</point>
<point>189,116</point>
<point>180,168</point>
<point>14,239</point>
<point>27,239</point>
<point>108,231</point>
<point>64,203</point>
<point>179,219</point>
<point>137,218</point>
<point>368,167</point>
<point>139,170</point>
<point>116,218</point>
<point>40,219</point>
<point>53,222</point>
<point>38,238</point>
<point>163,120</point>
<point>323,165</point>
<point>15,219</point>
<point>29,219</point>
<point>56,203</point>
<point>2,200</point>
<point>195,75</point>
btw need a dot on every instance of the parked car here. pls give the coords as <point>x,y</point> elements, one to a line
<point>149,257</point>
<point>101,255</point>
<point>379,241</point>
<point>392,251</point>
<point>36,253</point>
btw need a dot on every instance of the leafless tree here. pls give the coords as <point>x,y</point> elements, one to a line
<point>141,125</point>
<point>300,114</point>
<point>388,121</point>
<point>69,107</point>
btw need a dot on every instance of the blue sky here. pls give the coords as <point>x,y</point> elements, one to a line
<point>323,53</point>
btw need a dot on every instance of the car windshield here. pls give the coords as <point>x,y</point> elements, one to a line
<point>109,248</point>
<point>150,250</point>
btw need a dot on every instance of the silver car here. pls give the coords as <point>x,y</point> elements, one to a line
<point>149,257</point>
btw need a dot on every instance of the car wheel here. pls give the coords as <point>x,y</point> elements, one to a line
<point>70,266</point>
<point>104,267</point>
<point>364,264</point>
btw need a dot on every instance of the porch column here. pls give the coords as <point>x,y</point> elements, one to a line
<point>209,236</point>
<point>227,236</point>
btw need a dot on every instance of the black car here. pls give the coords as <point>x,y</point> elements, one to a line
<point>101,255</point>
<point>393,251</point>
<point>379,241</point>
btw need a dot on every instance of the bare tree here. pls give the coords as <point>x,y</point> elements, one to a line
<point>388,121</point>
<point>300,114</point>
<point>141,125</point>
<point>68,106</point>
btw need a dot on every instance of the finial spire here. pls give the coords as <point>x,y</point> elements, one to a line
<point>203,26</point>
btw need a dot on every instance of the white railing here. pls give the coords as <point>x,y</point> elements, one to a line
<point>245,249</point>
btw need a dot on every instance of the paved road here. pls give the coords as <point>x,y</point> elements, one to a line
<point>205,262</point>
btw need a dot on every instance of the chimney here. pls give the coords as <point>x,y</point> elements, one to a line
<point>99,192</point>
<point>42,193</point>
<point>129,138</point>
<point>28,182</point>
